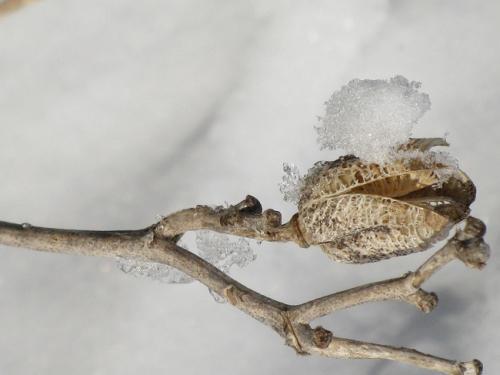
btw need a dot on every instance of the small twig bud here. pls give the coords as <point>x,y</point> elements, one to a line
<point>474,253</point>
<point>250,205</point>
<point>322,337</point>
<point>425,301</point>
<point>272,218</point>
<point>474,228</point>
<point>474,367</point>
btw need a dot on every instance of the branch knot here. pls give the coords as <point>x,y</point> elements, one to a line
<point>322,337</point>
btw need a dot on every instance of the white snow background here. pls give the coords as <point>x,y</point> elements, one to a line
<point>113,112</point>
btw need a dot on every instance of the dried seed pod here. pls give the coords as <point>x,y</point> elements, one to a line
<point>361,212</point>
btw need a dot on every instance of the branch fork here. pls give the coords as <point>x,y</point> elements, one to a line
<point>158,243</point>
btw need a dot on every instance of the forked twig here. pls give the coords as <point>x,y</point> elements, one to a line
<point>158,244</point>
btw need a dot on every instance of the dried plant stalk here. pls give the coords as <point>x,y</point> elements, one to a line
<point>356,212</point>
<point>157,243</point>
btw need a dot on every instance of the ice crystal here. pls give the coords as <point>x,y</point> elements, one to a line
<point>291,183</point>
<point>371,118</point>
<point>218,249</point>
<point>156,271</point>
<point>223,251</point>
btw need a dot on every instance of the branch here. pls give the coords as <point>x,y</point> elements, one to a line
<point>467,246</point>
<point>351,349</point>
<point>157,243</point>
<point>244,219</point>
<point>141,245</point>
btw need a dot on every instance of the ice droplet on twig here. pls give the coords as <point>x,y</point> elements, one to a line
<point>216,297</point>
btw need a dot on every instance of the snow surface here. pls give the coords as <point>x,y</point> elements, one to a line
<point>112,112</point>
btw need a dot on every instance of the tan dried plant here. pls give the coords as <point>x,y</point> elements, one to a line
<point>356,212</point>
<point>395,197</point>
<point>364,212</point>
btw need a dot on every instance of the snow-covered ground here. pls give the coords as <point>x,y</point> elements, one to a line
<point>112,112</point>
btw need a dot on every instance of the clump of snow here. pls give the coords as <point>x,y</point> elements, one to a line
<point>221,250</point>
<point>372,118</point>
<point>291,183</point>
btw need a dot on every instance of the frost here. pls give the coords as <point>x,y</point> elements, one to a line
<point>291,184</point>
<point>371,118</point>
<point>156,271</point>
<point>223,251</point>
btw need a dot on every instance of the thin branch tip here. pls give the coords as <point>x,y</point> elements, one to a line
<point>424,301</point>
<point>474,367</point>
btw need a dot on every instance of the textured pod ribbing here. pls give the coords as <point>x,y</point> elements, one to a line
<point>364,212</point>
<point>360,228</point>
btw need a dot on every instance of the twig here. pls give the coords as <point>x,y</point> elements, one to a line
<point>158,244</point>
<point>467,245</point>
<point>244,219</point>
<point>141,245</point>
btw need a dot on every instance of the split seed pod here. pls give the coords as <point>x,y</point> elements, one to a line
<point>360,212</point>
